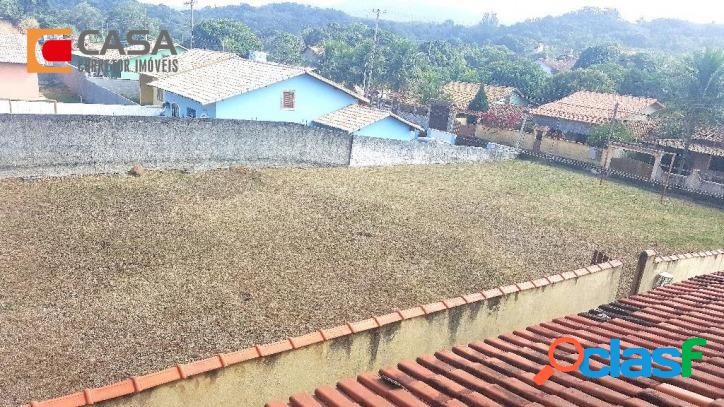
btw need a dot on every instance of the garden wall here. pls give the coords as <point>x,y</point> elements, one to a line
<point>557,147</point>
<point>679,266</point>
<point>48,145</point>
<point>253,376</point>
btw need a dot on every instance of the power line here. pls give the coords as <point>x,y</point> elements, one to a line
<point>367,78</point>
<point>191,3</point>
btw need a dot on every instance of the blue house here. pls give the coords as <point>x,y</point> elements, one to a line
<point>238,88</point>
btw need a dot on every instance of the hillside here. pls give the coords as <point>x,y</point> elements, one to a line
<point>576,30</point>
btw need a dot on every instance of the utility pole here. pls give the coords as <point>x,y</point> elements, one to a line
<point>367,78</point>
<point>191,3</point>
<point>604,170</point>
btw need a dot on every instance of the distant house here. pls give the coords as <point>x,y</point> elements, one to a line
<point>575,116</point>
<point>706,149</point>
<point>313,54</point>
<point>189,60</point>
<point>238,88</point>
<point>553,66</point>
<point>112,69</point>
<point>15,81</point>
<point>462,93</point>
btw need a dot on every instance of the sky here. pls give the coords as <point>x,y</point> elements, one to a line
<point>511,11</point>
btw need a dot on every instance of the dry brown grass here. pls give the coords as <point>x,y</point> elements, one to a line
<point>106,277</point>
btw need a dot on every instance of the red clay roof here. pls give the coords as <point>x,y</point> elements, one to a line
<point>499,371</point>
<point>596,108</point>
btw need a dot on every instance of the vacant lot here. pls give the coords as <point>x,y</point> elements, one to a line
<point>106,277</point>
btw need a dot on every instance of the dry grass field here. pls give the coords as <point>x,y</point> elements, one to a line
<point>105,277</point>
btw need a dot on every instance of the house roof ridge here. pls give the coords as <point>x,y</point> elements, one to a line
<point>182,371</point>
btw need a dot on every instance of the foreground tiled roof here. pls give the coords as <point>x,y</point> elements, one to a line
<point>13,48</point>
<point>499,371</point>
<point>356,116</point>
<point>462,93</point>
<point>594,107</point>
<point>194,59</point>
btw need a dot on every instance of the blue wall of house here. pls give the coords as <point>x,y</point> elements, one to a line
<point>313,99</point>
<point>390,128</point>
<point>184,104</point>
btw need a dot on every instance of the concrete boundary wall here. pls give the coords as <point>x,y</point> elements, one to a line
<point>36,145</point>
<point>680,266</point>
<point>49,145</point>
<point>51,107</point>
<point>91,92</point>
<point>255,375</point>
<point>369,151</point>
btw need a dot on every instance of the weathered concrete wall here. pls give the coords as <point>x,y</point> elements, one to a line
<point>378,342</point>
<point>81,85</point>
<point>369,151</point>
<point>680,266</point>
<point>36,145</point>
<point>127,88</point>
<point>44,107</point>
<point>47,145</point>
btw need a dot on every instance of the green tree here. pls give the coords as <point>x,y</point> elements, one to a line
<point>565,83</point>
<point>617,131</point>
<point>226,35</point>
<point>703,100</point>
<point>83,16</point>
<point>480,101</point>
<point>130,15</point>
<point>11,10</point>
<point>285,48</point>
<point>599,54</point>
<point>525,76</point>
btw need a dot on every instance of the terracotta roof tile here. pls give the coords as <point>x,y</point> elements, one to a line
<point>462,93</point>
<point>500,370</point>
<point>597,108</point>
<point>356,117</point>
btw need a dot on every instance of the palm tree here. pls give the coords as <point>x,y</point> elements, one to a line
<point>704,94</point>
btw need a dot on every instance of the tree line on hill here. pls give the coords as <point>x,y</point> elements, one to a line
<point>663,59</point>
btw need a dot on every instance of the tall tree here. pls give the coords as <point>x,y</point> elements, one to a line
<point>130,15</point>
<point>480,101</point>
<point>284,48</point>
<point>704,95</point>
<point>226,35</point>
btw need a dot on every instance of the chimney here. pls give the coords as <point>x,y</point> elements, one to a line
<point>441,115</point>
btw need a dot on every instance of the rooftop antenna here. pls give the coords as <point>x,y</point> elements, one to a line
<point>191,3</point>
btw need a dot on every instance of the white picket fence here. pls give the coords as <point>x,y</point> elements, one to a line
<point>49,107</point>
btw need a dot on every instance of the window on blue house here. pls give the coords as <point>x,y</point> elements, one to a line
<point>288,100</point>
<point>174,110</point>
<point>190,112</point>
